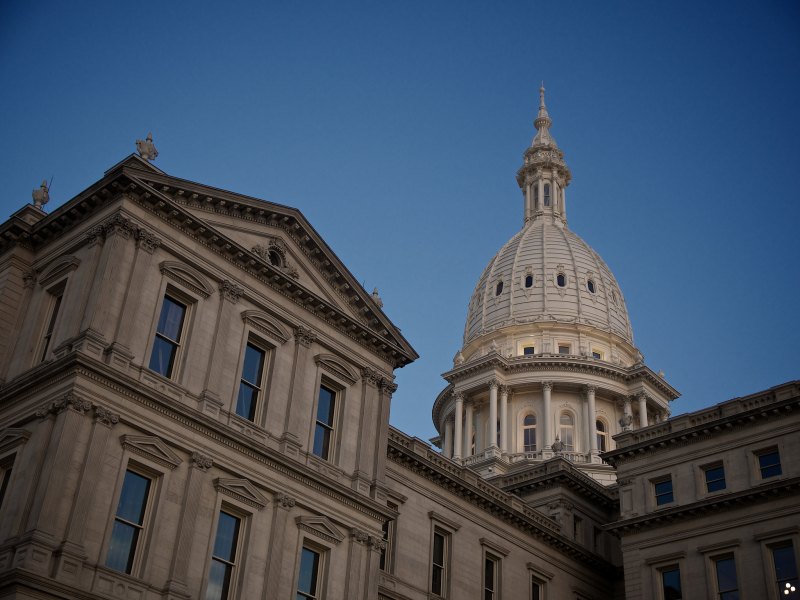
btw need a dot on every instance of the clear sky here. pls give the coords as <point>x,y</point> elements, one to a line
<point>397,128</point>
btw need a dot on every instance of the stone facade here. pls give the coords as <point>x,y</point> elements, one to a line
<point>194,403</point>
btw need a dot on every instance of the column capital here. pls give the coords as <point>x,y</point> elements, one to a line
<point>201,461</point>
<point>642,396</point>
<point>589,389</point>
<point>458,396</point>
<point>304,336</point>
<point>493,384</point>
<point>105,416</point>
<point>230,291</point>
<point>547,385</point>
<point>359,535</point>
<point>505,389</point>
<point>285,501</point>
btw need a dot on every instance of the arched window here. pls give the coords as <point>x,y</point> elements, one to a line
<point>590,286</point>
<point>529,433</point>
<point>536,196</point>
<point>602,435</point>
<point>499,288</point>
<point>567,431</point>
<point>561,280</point>
<point>547,194</point>
<point>528,281</point>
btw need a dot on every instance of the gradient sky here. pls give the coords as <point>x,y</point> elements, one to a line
<point>397,128</point>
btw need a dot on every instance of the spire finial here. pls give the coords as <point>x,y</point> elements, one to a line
<point>542,122</point>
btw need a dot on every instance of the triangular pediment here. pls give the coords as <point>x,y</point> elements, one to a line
<point>321,527</point>
<point>152,448</point>
<point>13,437</point>
<point>241,490</point>
<point>134,161</point>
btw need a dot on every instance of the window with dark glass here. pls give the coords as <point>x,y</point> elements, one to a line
<point>323,430</point>
<point>663,491</point>
<point>567,431</point>
<point>499,288</point>
<point>536,195</point>
<point>250,385</point>
<point>563,349</point>
<point>785,566</point>
<point>547,194</point>
<point>597,355</point>
<point>308,584</point>
<point>529,433</point>
<point>439,563</point>
<point>536,588</point>
<point>671,583</point>
<point>528,281</point>
<point>602,435</point>
<point>490,577</point>
<point>6,467</point>
<point>57,297</point>
<point>223,558</point>
<point>577,528</point>
<point>590,286</point>
<point>561,280</point>
<point>388,538</point>
<point>275,258</point>
<point>168,336</point>
<point>528,350</point>
<point>727,586</point>
<point>128,522</point>
<point>769,463</point>
<point>715,478</point>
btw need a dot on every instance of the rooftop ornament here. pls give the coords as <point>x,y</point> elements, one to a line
<point>146,148</point>
<point>41,196</point>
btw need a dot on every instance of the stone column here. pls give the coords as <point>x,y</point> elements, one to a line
<point>447,442</point>
<point>459,422</point>
<point>357,564</point>
<point>642,409</point>
<point>468,433</point>
<point>493,412</point>
<point>376,546</point>
<point>504,418</point>
<point>590,389</point>
<point>281,507</point>
<point>547,387</point>
<point>540,183</point>
<point>199,465</point>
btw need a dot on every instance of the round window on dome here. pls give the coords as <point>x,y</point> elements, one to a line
<point>529,281</point>
<point>499,289</point>
<point>561,280</point>
<point>590,286</point>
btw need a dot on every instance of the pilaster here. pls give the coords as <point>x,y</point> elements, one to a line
<point>277,578</point>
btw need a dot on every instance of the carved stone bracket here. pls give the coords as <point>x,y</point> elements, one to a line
<point>67,401</point>
<point>200,461</point>
<point>105,416</point>
<point>304,336</point>
<point>231,291</point>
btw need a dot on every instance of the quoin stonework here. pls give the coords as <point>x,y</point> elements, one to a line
<point>194,404</point>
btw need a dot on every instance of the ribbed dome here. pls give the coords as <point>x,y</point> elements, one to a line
<point>522,284</point>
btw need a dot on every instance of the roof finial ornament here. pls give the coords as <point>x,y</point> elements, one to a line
<point>146,148</point>
<point>377,298</point>
<point>41,196</point>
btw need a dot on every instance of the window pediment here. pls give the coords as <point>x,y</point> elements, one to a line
<point>152,448</point>
<point>13,437</point>
<point>241,490</point>
<point>187,277</point>
<point>321,527</point>
<point>336,367</point>
<point>266,324</point>
<point>62,266</point>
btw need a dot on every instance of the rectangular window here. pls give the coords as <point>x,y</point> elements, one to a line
<point>323,431</point>
<point>663,491</point>
<point>5,477</point>
<point>785,565</point>
<point>563,349</point>
<point>671,583</point>
<point>250,384</point>
<point>56,298</point>
<point>727,586</point>
<point>439,560</point>
<point>168,336</point>
<point>308,587</point>
<point>223,558</point>
<point>128,522</point>
<point>597,355</point>
<point>715,478</point>
<point>769,463</point>
<point>491,574</point>
<point>388,538</point>
<point>577,528</point>
<point>537,588</point>
<point>528,350</point>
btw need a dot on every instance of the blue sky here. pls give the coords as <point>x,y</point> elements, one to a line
<point>397,129</point>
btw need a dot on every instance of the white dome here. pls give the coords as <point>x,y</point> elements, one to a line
<point>522,285</point>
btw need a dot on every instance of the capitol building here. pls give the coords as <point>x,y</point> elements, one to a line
<point>194,404</point>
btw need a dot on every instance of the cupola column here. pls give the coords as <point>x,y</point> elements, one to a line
<point>459,420</point>
<point>592,419</point>
<point>468,433</point>
<point>547,387</point>
<point>492,413</point>
<point>642,409</point>
<point>504,418</point>
<point>447,443</point>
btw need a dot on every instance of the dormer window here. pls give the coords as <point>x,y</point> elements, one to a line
<point>590,286</point>
<point>547,194</point>
<point>561,280</point>
<point>499,288</point>
<point>529,281</point>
